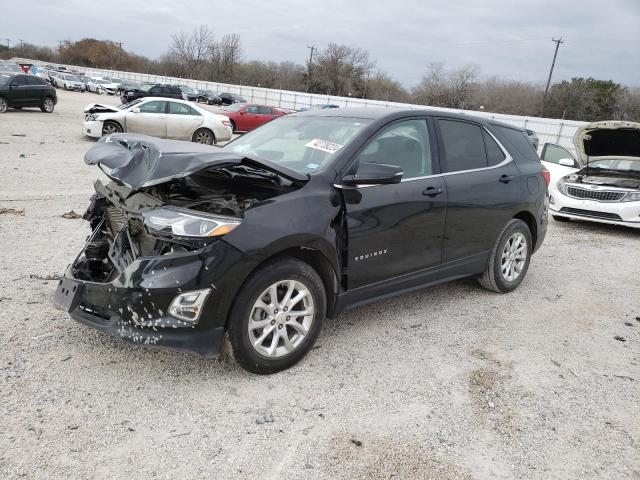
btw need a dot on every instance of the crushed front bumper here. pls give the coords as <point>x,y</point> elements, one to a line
<point>134,305</point>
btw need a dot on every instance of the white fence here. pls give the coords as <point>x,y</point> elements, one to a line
<point>548,129</point>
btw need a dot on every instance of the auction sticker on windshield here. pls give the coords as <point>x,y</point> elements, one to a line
<point>324,145</point>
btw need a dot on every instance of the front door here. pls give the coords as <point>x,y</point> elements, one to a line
<point>151,119</point>
<point>396,229</point>
<point>483,187</point>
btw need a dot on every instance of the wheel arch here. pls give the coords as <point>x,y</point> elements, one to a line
<point>528,218</point>
<point>313,257</point>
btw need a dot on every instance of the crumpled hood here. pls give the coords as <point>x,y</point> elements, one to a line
<point>100,108</point>
<point>607,139</point>
<point>139,161</point>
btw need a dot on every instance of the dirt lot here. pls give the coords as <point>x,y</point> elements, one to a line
<point>448,383</point>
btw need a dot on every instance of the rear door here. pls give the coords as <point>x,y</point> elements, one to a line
<point>483,188</point>
<point>150,120</point>
<point>38,87</point>
<point>394,230</point>
<point>182,120</point>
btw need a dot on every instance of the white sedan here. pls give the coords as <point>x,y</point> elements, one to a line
<point>102,86</point>
<point>158,117</point>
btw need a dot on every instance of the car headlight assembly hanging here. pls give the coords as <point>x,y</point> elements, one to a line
<point>179,222</point>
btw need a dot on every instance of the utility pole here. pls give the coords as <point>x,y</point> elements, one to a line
<point>8,42</point>
<point>312,48</point>
<point>558,41</point>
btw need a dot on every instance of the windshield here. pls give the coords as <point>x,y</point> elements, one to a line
<point>304,144</point>
<point>234,107</point>
<point>71,78</point>
<point>130,104</point>
<point>187,89</point>
<point>622,165</point>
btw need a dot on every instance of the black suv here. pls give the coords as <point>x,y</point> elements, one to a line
<point>230,98</point>
<point>304,217</point>
<point>20,90</point>
<point>168,91</point>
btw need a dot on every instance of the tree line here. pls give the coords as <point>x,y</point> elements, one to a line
<point>343,70</point>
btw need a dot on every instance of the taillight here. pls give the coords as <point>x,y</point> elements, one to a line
<point>546,175</point>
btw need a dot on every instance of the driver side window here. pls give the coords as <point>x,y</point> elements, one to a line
<point>405,144</point>
<point>153,107</point>
<point>553,153</point>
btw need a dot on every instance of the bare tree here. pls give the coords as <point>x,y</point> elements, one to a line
<point>442,88</point>
<point>341,70</point>
<point>224,55</point>
<point>188,52</point>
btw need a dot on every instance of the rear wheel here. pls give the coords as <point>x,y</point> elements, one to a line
<point>110,127</point>
<point>204,135</point>
<point>558,218</point>
<point>277,316</point>
<point>233,126</point>
<point>47,105</point>
<point>3,105</point>
<point>509,259</point>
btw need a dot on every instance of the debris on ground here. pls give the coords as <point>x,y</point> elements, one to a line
<point>71,215</point>
<point>14,211</point>
<point>18,134</point>
<point>357,443</point>
<point>619,338</point>
<point>46,277</point>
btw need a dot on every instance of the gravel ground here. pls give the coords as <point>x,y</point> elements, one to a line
<point>453,382</point>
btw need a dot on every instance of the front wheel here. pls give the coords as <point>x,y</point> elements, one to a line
<point>277,316</point>
<point>3,105</point>
<point>204,135</point>
<point>509,259</point>
<point>110,127</point>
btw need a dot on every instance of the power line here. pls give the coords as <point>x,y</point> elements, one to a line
<point>557,41</point>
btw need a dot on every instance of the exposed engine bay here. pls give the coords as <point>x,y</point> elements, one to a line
<point>119,215</point>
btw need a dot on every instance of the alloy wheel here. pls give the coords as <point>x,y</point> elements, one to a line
<point>514,257</point>
<point>110,128</point>
<point>48,105</point>
<point>281,318</point>
<point>3,105</point>
<point>204,137</point>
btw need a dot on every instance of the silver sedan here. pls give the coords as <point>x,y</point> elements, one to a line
<point>159,117</point>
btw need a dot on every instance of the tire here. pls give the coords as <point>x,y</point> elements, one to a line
<point>47,105</point>
<point>204,135</point>
<point>3,105</point>
<point>273,354</point>
<point>110,127</point>
<point>233,126</point>
<point>64,85</point>
<point>100,91</point>
<point>498,276</point>
<point>558,218</point>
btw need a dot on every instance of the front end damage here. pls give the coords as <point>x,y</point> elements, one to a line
<point>156,268</point>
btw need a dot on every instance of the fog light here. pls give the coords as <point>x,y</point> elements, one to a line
<point>188,306</point>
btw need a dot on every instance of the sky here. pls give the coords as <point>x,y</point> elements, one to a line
<point>506,38</point>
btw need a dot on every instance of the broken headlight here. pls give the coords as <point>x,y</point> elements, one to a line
<point>181,222</point>
<point>562,186</point>
<point>92,117</point>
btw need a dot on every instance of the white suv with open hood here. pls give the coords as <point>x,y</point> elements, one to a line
<point>603,183</point>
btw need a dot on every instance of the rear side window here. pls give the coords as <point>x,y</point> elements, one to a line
<point>35,81</point>
<point>495,155</point>
<point>463,145</point>
<point>519,142</point>
<point>265,110</point>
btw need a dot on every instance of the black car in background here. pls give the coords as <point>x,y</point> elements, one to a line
<point>300,219</point>
<point>230,98</point>
<point>18,91</point>
<point>168,91</point>
<point>127,85</point>
<point>209,97</point>
<point>188,93</point>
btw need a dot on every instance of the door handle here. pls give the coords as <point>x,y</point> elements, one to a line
<point>432,191</point>
<point>505,178</point>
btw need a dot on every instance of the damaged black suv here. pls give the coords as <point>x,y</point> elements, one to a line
<point>300,219</point>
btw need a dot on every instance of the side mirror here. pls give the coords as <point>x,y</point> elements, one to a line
<point>135,110</point>
<point>374,174</point>
<point>567,162</point>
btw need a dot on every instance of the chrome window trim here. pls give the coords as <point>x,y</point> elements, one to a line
<point>508,159</point>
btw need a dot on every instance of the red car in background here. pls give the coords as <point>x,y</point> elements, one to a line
<point>247,117</point>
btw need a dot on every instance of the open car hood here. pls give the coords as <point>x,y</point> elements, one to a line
<point>139,161</point>
<point>598,140</point>
<point>100,108</point>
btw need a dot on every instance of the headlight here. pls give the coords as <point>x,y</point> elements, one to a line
<point>92,118</point>
<point>184,223</point>
<point>631,197</point>
<point>562,186</point>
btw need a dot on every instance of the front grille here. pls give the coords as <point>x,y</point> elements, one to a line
<point>599,195</point>
<point>590,213</point>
